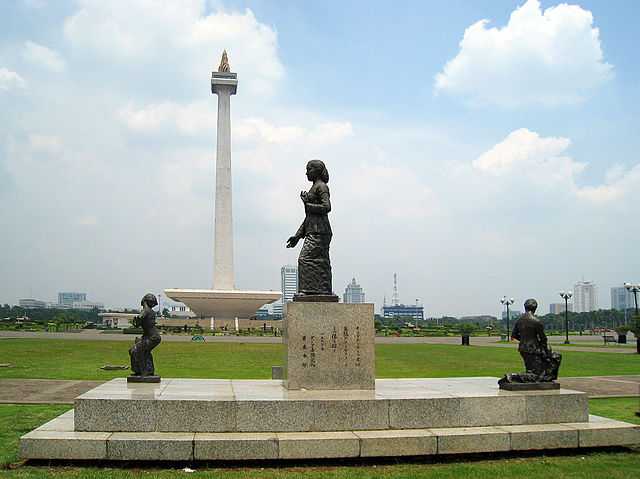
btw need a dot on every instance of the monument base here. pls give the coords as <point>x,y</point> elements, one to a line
<point>240,420</point>
<point>315,298</point>
<point>329,346</point>
<point>143,379</point>
<point>530,386</point>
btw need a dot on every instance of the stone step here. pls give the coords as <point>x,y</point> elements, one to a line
<point>57,440</point>
<point>214,405</point>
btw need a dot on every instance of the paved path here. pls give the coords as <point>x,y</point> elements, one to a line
<point>41,391</point>
<point>604,386</point>
<point>555,341</point>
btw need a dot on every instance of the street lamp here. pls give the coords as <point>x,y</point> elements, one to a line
<point>566,296</point>
<point>633,288</point>
<point>507,302</point>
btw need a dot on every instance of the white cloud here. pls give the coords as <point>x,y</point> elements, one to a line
<point>43,57</point>
<point>88,220</point>
<point>524,157</point>
<point>539,58</point>
<point>45,144</point>
<point>525,153</point>
<point>10,80</point>
<point>618,185</point>
<point>259,129</point>
<point>189,119</point>
<point>199,118</point>
<point>180,33</point>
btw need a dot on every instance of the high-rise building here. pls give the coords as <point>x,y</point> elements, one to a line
<point>621,299</point>
<point>353,293</point>
<point>288,282</point>
<point>585,297</point>
<point>558,308</point>
<point>68,298</point>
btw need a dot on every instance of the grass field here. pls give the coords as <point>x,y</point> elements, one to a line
<point>16,420</point>
<point>65,359</point>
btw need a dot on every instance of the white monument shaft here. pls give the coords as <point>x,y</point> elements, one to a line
<point>223,300</point>
<point>223,277</point>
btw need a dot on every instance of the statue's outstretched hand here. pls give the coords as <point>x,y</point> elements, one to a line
<point>292,242</point>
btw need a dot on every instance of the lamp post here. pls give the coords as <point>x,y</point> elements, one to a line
<point>566,296</point>
<point>633,288</point>
<point>507,303</point>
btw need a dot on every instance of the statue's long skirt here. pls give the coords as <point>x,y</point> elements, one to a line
<point>314,265</point>
<point>141,358</point>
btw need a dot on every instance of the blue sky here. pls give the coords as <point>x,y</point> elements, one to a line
<point>505,164</point>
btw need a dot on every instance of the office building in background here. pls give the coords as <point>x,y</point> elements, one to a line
<point>398,310</point>
<point>68,298</point>
<point>621,298</point>
<point>288,287</point>
<point>353,293</point>
<point>585,297</point>
<point>558,308</point>
<point>29,303</point>
<point>288,282</point>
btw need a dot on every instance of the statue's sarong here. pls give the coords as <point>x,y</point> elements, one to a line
<point>314,265</point>
<point>140,354</point>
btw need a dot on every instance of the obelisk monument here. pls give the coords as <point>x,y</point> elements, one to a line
<point>224,84</point>
<point>223,300</point>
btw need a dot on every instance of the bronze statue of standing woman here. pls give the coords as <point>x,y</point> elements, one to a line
<point>314,265</point>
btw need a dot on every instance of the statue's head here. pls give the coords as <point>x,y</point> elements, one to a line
<point>316,169</point>
<point>150,300</point>
<point>530,305</point>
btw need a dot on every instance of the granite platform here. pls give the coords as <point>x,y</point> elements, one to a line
<point>58,440</point>
<point>190,419</point>
<point>218,405</point>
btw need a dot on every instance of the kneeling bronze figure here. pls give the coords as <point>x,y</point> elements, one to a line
<point>142,367</point>
<point>541,363</point>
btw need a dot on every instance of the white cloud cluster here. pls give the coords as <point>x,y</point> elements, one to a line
<point>179,33</point>
<point>260,130</point>
<point>619,184</point>
<point>44,144</point>
<point>539,58</point>
<point>525,156</point>
<point>42,56</point>
<point>199,118</point>
<point>10,80</point>
<point>526,153</point>
<point>190,119</point>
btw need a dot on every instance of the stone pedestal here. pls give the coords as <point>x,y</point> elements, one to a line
<point>530,386</point>
<point>329,346</point>
<point>143,379</point>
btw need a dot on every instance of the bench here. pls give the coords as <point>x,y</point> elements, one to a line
<point>609,339</point>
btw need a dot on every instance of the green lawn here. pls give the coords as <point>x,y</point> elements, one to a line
<point>66,359</point>
<point>16,420</point>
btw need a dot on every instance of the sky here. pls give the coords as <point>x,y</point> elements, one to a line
<point>475,148</point>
